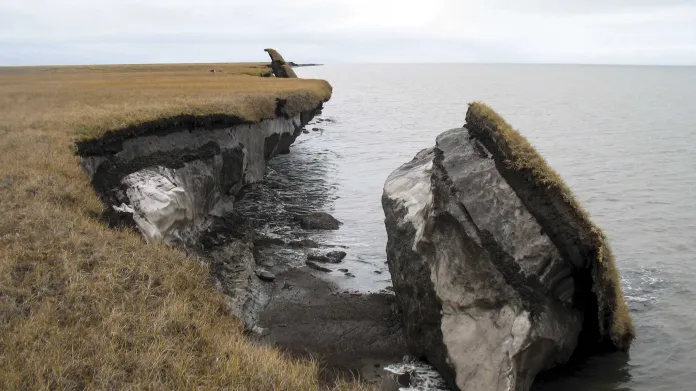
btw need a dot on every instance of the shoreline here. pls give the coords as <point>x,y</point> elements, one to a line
<point>299,318</point>
<point>304,312</point>
<point>353,336</point>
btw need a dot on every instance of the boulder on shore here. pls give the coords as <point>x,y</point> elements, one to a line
<point>499,272</point>
<point>314,265</point>
<point>319,220</point>
<point>279,66</point>
<point>330,257</point>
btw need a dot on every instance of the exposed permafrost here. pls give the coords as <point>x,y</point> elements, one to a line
<point>411,190</point>
<point>171,183</point>
<point>161,209</point>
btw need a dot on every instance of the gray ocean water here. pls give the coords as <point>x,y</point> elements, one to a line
<point>624,139</point>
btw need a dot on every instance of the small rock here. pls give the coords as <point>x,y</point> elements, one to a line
<point>305,131</point>
<point>304,243</point>
<point>317,257</point>
<point>378,272</point>
<point>265,275</point>
<point>316,129</point>
<point>319,220</point>
<point>336,256</point>
<point>343,270</point>
<point>268,241</point>
<point>350,275</point>
<point>316,266</point>
<point>259,331</point>
<point>332,257</point>
<point>356,294</point>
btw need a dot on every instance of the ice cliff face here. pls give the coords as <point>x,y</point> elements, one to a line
<point>170,183</point>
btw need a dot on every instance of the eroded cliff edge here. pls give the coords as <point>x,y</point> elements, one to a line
<point>499,272</point>
<point>169,176</point>
<point>169,182</point>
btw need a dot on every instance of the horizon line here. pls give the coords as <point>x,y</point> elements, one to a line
<point>361,63</point>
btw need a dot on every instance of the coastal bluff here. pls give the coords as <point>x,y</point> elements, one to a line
<point>84,305</point>
<point>499,272</point>
<point>170,173</point>
<point>175,175</point>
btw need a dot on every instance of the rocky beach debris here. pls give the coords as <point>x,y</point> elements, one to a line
<point>265,275</point>
<point>314,265</point>
<point>303,243</point>
<point>319,221</point>
<point>330,257</point>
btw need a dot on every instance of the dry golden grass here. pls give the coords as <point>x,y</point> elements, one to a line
<point>520,155</point>
<point>85,306</point>
<point>93,102</point>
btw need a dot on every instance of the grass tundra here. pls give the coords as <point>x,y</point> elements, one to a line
<point>86,306</point>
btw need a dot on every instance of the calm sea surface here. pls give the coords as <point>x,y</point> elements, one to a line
<point>624,139</point>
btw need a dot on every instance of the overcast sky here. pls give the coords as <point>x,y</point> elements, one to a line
<point>331,31</point>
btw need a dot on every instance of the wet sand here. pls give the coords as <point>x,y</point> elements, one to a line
<point>352,335</point>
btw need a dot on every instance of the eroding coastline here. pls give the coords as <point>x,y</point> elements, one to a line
<point>489,255</point>
<point>197,185</point>
<point>84,305</point>
<point>171,181</point>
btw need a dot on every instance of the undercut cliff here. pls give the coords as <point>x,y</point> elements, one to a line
<point>168,177</point>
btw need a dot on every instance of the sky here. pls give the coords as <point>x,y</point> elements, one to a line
<point>41,32</point>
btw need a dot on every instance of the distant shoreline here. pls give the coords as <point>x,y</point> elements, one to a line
<point>294,65</point>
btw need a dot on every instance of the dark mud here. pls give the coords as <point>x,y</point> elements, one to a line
<point>351,335</point>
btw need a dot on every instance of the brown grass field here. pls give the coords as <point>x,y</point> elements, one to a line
<point>83,306</point>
